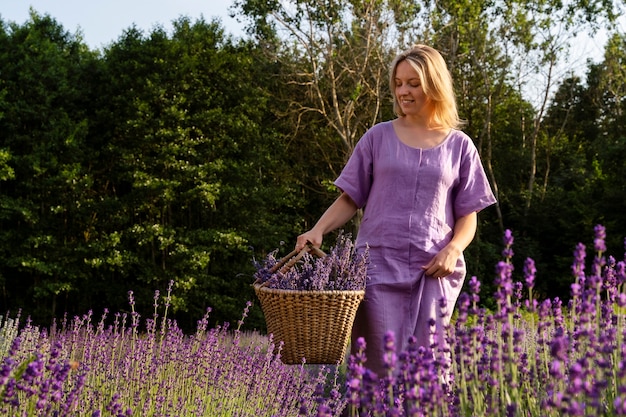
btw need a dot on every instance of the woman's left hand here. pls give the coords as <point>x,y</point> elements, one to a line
<point>444,263</point>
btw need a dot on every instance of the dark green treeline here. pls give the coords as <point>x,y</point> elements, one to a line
<point>175,157</point>
<point>158,160</point>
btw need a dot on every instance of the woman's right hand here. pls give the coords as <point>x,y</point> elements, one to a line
<point>335,216</point>
<point>312,236</point>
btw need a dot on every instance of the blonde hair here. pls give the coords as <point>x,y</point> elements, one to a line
<point>436,82</point>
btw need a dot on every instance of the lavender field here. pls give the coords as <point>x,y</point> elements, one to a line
<point>528,357</point>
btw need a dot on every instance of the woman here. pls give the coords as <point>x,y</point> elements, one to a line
<point>421,183</point>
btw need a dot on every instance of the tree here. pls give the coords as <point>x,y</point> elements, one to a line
<point>192,166</point>
<point>154,162</point>
<point>334,58</point>
<point>607,84</point>
<point>336,54</point>
<point>45,186</point>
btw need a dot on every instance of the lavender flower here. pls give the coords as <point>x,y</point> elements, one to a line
<point>620,273</point>
<point>600,236</point>
<point>499,363</point>
<point>474,285</point>
<point>600,247</point>
<point>578,266</point>
<point>507,240</point>
<point>529,273</point>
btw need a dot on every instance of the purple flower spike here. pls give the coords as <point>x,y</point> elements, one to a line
<point>474,285</point>
<point>360,344</point>
<point>621,300</point>
<point>508,238</point>
<point>620,272</point>
<point>529,272</point>
<point>390,350</point>
<point>390,342</point>
<point>576,290</point>
<point>620,406</point>
<point>600,236</point>
<point>599,260</point>
<point>304,411</point>
<point>578,266</point>
<point>324,411</point>
<point>504,271</point>
<point>556,369</point>
<point>559,347</point>
<point>507,253</point>
<point>576,408</point>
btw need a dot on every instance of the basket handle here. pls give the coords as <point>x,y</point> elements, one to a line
<point>290,259</point>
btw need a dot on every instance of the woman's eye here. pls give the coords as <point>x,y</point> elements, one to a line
<point>412,85</point>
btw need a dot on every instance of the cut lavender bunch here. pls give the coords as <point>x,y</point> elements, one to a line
<point>344,268</point>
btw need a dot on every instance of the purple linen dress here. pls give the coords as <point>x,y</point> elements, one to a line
<point>412,198</point>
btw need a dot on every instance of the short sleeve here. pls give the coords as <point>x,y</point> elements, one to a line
<point>356,177</point>
<point>473,192</point>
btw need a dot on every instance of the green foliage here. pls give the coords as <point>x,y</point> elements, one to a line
<point>170,171</point>
<point>46,181</point>
<point>200,175</point>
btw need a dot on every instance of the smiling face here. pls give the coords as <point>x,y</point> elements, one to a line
<point>409,93</point>
<point>422,86</point>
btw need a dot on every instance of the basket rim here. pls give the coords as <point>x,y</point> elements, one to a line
<point>259,287</point>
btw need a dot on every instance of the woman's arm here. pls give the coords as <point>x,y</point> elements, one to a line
<point>444,262</point>
<point>338,214</point>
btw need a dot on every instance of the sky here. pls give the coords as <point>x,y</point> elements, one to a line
<point>102,22</point>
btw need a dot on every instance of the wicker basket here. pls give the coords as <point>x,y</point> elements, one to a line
<point>314,325</point>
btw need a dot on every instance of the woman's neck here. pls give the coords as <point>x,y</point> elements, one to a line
<point>417,134</point>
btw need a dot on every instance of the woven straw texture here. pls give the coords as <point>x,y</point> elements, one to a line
<point>314,325</point>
